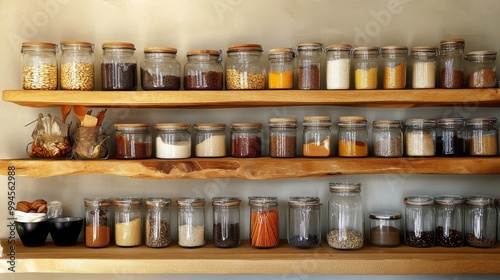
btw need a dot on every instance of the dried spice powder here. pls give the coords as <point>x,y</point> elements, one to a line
<point>309,77</point>
<point>314,149</point>
<point>451,78</point>
<point>482,78</point>
<point>282,146</point>
<point>395,77</point>
<point>365,79</point>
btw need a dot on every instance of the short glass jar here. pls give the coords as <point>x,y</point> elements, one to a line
<point>157,224</point>
<point>385,228</point>
<point>449,220</point>
<point>482,136</point>
<point>132,141</point>
<point>419,221</point>
<point>191,221</point>
<point>97,222</point>
<point>420,135</point>
<point>173,140</point>
<point>118,66</point>
<point>160,69</point>
<point>481,69</point>
<point>338,66</point>
<point>39,65</point>
<point>423,65</point>
<point>283,137</point>
<point>280,74</point>
<point>210,139</point>
<point>317,136</point>
<point>226,217</point>
<point>77,65</point>
<point>128,221</point>
<point>309,65</point>
<point>245,68</point>
<point>451,137</point>
<point>394,60</point>
<point>246,140</point>
<point>203,70</point>
<point>480,221</point>
<point>387,138</point>
<point>365,62</point>
<point>451,63</point>
<point>264,224</point>
<point>353,136</point>
<point>304,222</point>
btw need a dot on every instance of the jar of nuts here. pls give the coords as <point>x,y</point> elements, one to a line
<point>245,68</point>
<point>77,65</point>
<point>39,65</point>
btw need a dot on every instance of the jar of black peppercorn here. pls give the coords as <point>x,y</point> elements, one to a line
<point>226,230</point>
<point>451,63</point>
<point>283,137</point>
<point>480,221</point>
<point>245,68</point>
<point>246,140</point>
<point>451,137</point>
<point>118,66</point>
<point>97,222</point>
<point>203,70</point>
<point>160,70</point>
<point>481,69</point>
<point>157,228</point>
<point>304,226</point>
<point>133,141</point>
<point>449,220</point>
<point>309,65</point>
<point>420,221</point>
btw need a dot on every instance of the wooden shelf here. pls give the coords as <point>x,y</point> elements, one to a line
<point>256,98</point>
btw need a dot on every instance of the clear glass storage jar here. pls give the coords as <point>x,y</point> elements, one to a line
<point>304,222</point>
<point>264,221</point>
<point>246,140</point>
<point>451,63</point>
<point>316,136</point>
<point>480,221</point>
<point>77,65</point>
<point>353,136</point>
<point>451,137</point>
<point>39,65</point>
<point>365,64</point>
<point>283,137</point>
<point>482,136</point>
<point>191,221</point>
<point>387,138</point>
<point>420,135</point>
<point>346,220</point>
<point>157,224</point>
<point>423,66</point>
<point>160,69</point>
<point>97,222</point>
<point>338,66</point>
<point>203,70</point>
<point>210,139</point>
<point>128,221</point>
<point>132,141</point>
<point>280,73</point>
<point>173,140</point>
<point>118,66</point>
<point>394,60</point>
<point>481,69</point>
<point>226,217</point>
<point>419,221</point>
<point>245,68</point>
<point>309,65</point>
<point>449,220</point>
<point>385,228</point>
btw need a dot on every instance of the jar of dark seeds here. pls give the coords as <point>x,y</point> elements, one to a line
<point>480,221</point>
<point>385,228</point>
<point>449,220</point>
<point>245,68</point>
<point>77,65</point>
<point>451,137</point>
<point>39,65</point>
<point>97,222</point>
<point>283,137</point>
<point>118,66</point>
<point>203,70</point>
<point>160,69</point>
<point>157,229</point>
<point>420,224</point>
<point>226,230</point>
<point>304,225</point>
<point>191,221</point>
<point>309,65</point>
<point>387,138</point>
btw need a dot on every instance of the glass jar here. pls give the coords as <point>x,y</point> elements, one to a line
<point>280,75</point>
<point>481,69</point>
<point>173,140</point>
<point>394,61</point>
<point>128,221</point>
<point>77,65</point>
<point>132,141</point>
<point>353,136</point>
<point>385,228</point>
<point>317,136</point>
<point>160,69</point>
<point>480,221</point>
<point>97,222</point>
<point>226,230</point>
<point>39,65</point>
<point>451,137</point>
<point>203,70</point>
<point>245,68</point>
<point>338,66</point>
<point>423,61</point>
<point>365,61</point>
<point>304,225</point>
<point>283,137</point>
<point>451,65</point>
<point>482,136</point>
<point>263,221</point>
<point>346,222</point>
<point>387,138</point>
<point>191,221</point>
<point>420,135</point>
<point>309,65</point>
<point>157,229</point>
<point>420,223</point>
<point>210,140</point>
<point>449,220</point>
<point>246,140</point>
<point>118,66</point>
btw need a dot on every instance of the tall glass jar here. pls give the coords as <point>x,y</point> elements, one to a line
<point>394,60</point>
<point>97,222</point>
<point>203,70</point>
<point>245,68</point>
<point>118,66</point>
<point>128,221</point>
<point>480,221</point>
<point>423,66</point>
<point>160,69</point>
<point>191,221</point>
<point>132,141</point>
<point>387,138</point>
<point>365,62</point>
<point>283,137</point>
<point>173,140</point>
<point>353,136</point>
<point>264,222</point>
<point>157,229</point>
<point>280,74</point>
<point>39,65</point>
<point>449,220</point>
<point>482,136</point>
<point>346,222</point>
<point>385,228</point>
<point>304,222</point>
<point>338,66</point>
<point>317,136</point>
<point>481,69</point>
<point>226,216</point>
<point>210,139</point>
<point>246,140</point>
<point>419,221</point>
<point>420,135</point>
<point>77,65</point>
<point>451,137</point>
<point>309,65</point>
<point>451,64</point>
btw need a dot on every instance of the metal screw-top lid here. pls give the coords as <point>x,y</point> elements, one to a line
<point>419,200</point>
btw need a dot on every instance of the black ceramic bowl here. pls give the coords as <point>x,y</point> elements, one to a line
<point>33,234</point>
<point>65,230</point>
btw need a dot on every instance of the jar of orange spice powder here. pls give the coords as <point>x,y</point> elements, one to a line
<point>353,137</point>
<point>280,74</point>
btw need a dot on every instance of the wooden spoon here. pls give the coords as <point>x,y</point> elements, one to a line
<point>80,112</point>
<point>65,110</point>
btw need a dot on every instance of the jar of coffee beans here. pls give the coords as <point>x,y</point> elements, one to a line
<point>309,65</point>
<point>449,220</point>
<point>480,221</point>
<point>226,230</point>
<point>419,221</point>
<point>283,137</point>
<point>118,66</point>
<point>160,69</point>
<point>203,70</point>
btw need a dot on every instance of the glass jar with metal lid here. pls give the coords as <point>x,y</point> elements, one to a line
<point>365,62</point>
<point>420,224</point>
<point>128,221</point>
<point>387,138</point>
<point>480,221</point>
<point>77,65</point>
<point>132,141</point>
<point>283,137</point>
<point>451,63</point>
<point>280,74</point>
<point>246,140</point>
<point>210,139</point>
<point>173,140</point>
<point>385,228</point>
<point>264,223</point>
<point>160,69</point>
<point>317,136</point>
<point>39,65</point>
<point>394,62</point>
<point>245,68</point>
<point>451,137</point>
<point>304,224</point>
<point>420,137</point>
<point>338,66</point>
<point>449,220</point>
<point>226,215</point>
<point>203,70</point>
<point>353,136</point>
<point>423,66</point>
<point>309,65</point>
<point>157,224</point>
<point>482,136</point>
<point>191,221</point>
<point>481,69</point>
<point>118,66</point>
<point>97,222</point>
<point>346,220</point>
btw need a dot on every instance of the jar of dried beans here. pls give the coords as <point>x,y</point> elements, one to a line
<point>394,63</point>
<point>304,225</point>
<point>118,66</point>
<point>338,66</point>
<point>157,225</point>
<point>481,69</point>
<point>420,137</point>
<point>264,231</point>
<point>449,220</point>
<point>482,136</point>
<point>210,139</point>
<point>365,62</point>
<point>97,222</point>
<point>160,69</point>
<point>451,64</point>
<point>419,221</point>
<point>39,65</point>
<point>191,221</point>
<point>128,221</point>
<point>173,140</point>
<point>480,221</point>
<point>451,137</point>
<point>203,70</point>
<point>387,138</point>
<point>280,74</point>
<point>246,140</point>
<point>353,137</point>
<point>316,136</point>
<point>77,65</point>
<point>309,65</point>
<point>283,137</point>
<point>226,230</point>
<point>423,67</point>
<point>132,141</point>
<point>245,68</point>
<point>385,228</point>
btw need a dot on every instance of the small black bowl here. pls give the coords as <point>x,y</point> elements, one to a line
<point>33,234</point>
<point>65,230</point>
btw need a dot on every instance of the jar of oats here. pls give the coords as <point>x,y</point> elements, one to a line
<point>77,65</point>
<point>39,65</point>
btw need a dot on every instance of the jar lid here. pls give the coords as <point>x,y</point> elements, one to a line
<point>244,125</point>
<point>476,121</point>
<point>452,41</point>
<point>80,44</point>
<point>425,49</point>
<point>225,201</point>
<point>164,126</point>
<point>387,123</point>
<point>451,121</point>
<point>244,48</point>
<point>118,45</point>
<point>38,45</point>
<point>347,119</point>
<point>97,201</point>
<point>304,46</point>
<point>191,201</point>
<point>198,52</point>
<point>157,202</point>
<point>303,200</point>
<point>160,50</point>
<point>263,200</point>
<point>127,201</point>
<point>338,47</point>
<point>480,200</point>
<point>131,125</point>
<point>419,200</point>
<point>393,49</point>
<point>365,49</point>
<point>449,200</point>
<point>284,121</point>
<point>418,122</point>
<point>317,119</point>
<point>345,187</point>
<point>385,215</point>
<point>209,126</point>
<point>281,50</point>
<point>481,54</point>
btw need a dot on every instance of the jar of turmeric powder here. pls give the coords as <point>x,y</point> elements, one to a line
<point>365,64</point>
<point>317,135</point>
<point>280,75</point>
<point>394,60</point>
<point>353,137</point>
